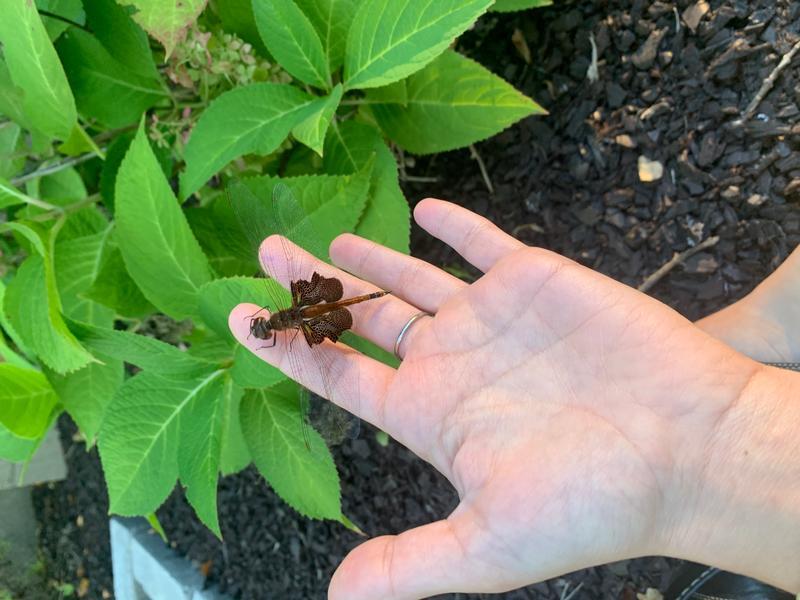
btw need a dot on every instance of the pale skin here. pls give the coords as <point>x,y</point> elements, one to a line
<point>580,421</point>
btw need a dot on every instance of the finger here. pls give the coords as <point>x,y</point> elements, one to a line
<point>419,563</point>
<point>475,238</point>
<point>379,321</point>
<point>416,281</point>
<point>354,381</point>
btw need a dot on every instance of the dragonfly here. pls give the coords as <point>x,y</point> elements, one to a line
<point>317,310</point>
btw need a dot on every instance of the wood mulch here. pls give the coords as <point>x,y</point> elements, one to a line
<point>675,80</point>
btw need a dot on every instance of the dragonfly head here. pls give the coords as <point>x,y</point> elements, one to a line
<point>261,328</point>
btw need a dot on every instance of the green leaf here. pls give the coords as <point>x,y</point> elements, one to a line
<point>87,392</point>
<point>452,103</point>
<point>144,352</point>
<point>85,221</point>
<point>255,118</point>
<point>512,5</point>
<point>114,288</point>
<point>77,143</point>
<point>331,19</point>
<point>7,355</point>
<point>121,36</point>
<point>162,255</point>
<point>166,20</point>
<point>219,297</point>
<point>33,307</point>
<point>200,449</point>
<point>391,39</point>
<point>62,188</point>
<point>27,401</point>
<point>372,350</point>
<point>105,89</point>
<point>77,264</point>
<point>108,176</point>
<point>218,232</point>
<point>152,519</point>
<point>6,325</point>
<point>305,478</point>
<point>251,372</point>
<point>311,132</point>
<point>234,454</point>
<point>142,433</point>
<point>12,157</point>
<point>34,67</point>
<point>11,98</point>
<point>16,449</point>
<point>387,218</point>
<point>292,40</point>
<point>329,205</point>
<point>69,9</point>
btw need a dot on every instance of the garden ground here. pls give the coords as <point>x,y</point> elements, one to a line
<point>673,81</point>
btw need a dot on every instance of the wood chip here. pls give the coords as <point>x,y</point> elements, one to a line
<point>650,170</point>
<point>646,55</point>
<point>694,14</point>
<point>518,39</point>
<point>650,594</point>
<point>625,141</point>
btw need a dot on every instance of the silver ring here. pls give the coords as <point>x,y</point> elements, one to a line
<point>404,330</point>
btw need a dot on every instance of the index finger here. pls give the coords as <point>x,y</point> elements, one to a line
<point>477,239</point>
<point>356,382</point>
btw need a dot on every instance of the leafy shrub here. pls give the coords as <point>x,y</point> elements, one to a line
<point>112,157</point>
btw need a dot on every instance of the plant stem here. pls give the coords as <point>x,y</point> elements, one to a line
<point>12,191</point>
<point>60,166</point>
<point>70,208</point>
<point>47,13</point>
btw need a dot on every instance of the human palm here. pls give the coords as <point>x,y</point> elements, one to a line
<point>569,411</point>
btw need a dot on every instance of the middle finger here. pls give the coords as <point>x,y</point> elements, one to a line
<point>379,321</point>
<point>416,281</point>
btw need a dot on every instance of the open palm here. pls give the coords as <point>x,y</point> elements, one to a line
<point>570,412</point>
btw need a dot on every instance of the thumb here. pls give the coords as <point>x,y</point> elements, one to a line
<point>421,562</point>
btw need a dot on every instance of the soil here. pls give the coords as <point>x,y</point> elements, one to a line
<point>669,91</point>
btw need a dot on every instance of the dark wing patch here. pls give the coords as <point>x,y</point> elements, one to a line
<point>330,325</point>
<point>319,289</point>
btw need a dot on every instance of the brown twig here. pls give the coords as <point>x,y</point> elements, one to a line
<point>418,179</point>
<point>768,84</point>
<point>673,262</point>
<point>473,152</point>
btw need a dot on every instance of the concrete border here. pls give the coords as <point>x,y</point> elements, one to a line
<point>147,569</point>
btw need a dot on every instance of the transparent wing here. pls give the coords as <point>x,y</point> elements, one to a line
<point>257,224</point>
<point>264,212</point>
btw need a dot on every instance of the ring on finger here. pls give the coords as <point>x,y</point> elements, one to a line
<point>405,329</point>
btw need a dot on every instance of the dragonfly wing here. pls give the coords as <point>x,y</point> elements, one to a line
<point>330,325</point>
<point>294,223</point>
<point>256,222</point>
<point>318,289</point>
<point>334,423</point>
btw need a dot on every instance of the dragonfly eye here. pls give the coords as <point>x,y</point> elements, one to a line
<point>261,328</point>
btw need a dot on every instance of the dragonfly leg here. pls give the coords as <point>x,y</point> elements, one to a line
<point>293,339</point>
<point>265,307</point>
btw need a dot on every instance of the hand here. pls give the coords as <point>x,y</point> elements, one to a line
<point>765,324</point>
<point>575,416</point>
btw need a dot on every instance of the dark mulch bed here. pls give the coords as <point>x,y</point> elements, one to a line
<point>568,182</point>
